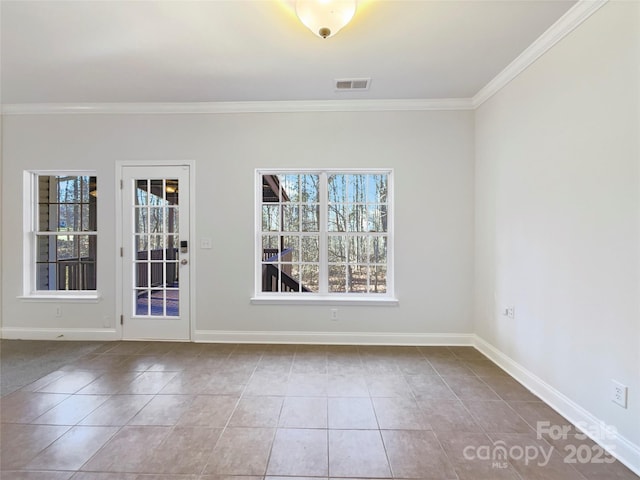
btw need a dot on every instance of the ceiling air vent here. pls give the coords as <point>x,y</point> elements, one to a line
<point>346,84</point>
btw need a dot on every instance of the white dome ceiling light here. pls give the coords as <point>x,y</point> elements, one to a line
<point>325,18</point>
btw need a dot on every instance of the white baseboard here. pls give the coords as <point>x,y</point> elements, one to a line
<point>86,334</point>
<point>621,447</point>
<point>334,338</point>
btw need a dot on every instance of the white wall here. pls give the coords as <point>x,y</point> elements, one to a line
<point>432,153</point>
<point>558,216</point>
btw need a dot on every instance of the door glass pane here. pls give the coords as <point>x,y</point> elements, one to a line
<point>156,257</point>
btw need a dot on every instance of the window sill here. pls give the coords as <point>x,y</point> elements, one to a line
<point>320,300</point>
<point>76,297</point>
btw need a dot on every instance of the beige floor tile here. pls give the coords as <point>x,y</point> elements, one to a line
<point>352,413</point>
<point>451,366</point>
<point>449,416</point>
<point>416,454</point>
<point>23,407</point>
<point>497,417</point>
<point>589,458</point>
<point>430,386</point>
<point>508,389</point>
<point>399,414</point>
<point>129,450</point>
<point>303,412</point>
<point>388,385</point>
<point>185,450</point>
<point>484,368</point>
<point>109,383</point>
<point>241,451</point>
<point>163,410</point>
<point>209,411</point>
<point>104,476</point>
<point>262,411</point>
<point>71,382</point>
<point>21,443</point>
<point>117,410</point>
<point>307,384</point>
<point>18,475</point>
<point>267,384</point>
<point>299,452</point>
<point>72,410</point>
<point>148,383</point>
<point>187,382</point>
<point>539,412</point>
<point>470,387</point>
<point>345,385</point>
<point>73,449</point>
<point>357,453</point>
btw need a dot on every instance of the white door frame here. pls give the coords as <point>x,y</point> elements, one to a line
<point>119,240</point>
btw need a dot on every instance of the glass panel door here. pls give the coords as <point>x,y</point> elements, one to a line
<point>156,252</point>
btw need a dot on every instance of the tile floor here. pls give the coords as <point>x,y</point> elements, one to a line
<point>176,411</point>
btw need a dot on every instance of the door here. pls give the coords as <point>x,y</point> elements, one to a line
<point>155,252</point>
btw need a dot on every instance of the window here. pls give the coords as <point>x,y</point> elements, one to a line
<point>324,234</point>
<point>62,233</point>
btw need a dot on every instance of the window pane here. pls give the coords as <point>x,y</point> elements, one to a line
<point>67,247</point>
<point>173,220</point>
<point>310,277</point>
<point>358,276</point>
<point>141,243</point>
<point>310,218</point>
<point>141,220</point>
<point>378,279</point>
<point>270,247</point>
<point>377,218</point>
<point>310,250</point>
<point>356,188</point>
<point>156,220</point>
<point>172,191</point>
<point>337,188</point>
<point>270,218</point>
<point>337,278</point>
<point>378,250</point>
<point>69,218</point>
<point>337,249</point>
<point>290,218</point>
<point>290,249</point>
<point>69,189</point>
<point>157,193</point>
<point>46,276</point>
<point>358,251</point>
<point>157,242</point>
<point>377,189</point>
<point>290,190</point>
<point>141,194</point>
<point>291,278</point>
<point>337,221</point>
<point>357,218</point>
<point>309,188</point>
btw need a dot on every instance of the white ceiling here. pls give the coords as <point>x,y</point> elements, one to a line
<point>256,50</point>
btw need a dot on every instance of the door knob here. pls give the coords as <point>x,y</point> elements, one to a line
<point>183,261</point>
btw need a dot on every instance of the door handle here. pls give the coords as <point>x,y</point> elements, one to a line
<point>184,261</point>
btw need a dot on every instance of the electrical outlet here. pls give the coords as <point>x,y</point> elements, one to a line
<point>619,393</point>
<point>58,311</point>
<point>509,312</point>
<point>334,314</point>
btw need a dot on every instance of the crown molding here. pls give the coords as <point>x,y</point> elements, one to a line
<point>239,107</point>
<point>577,14</point>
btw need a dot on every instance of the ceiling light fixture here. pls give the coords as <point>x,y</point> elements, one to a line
<point>325,18</point>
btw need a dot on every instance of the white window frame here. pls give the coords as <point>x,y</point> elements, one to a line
<point>323,297</point>
<point>30,232</point>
